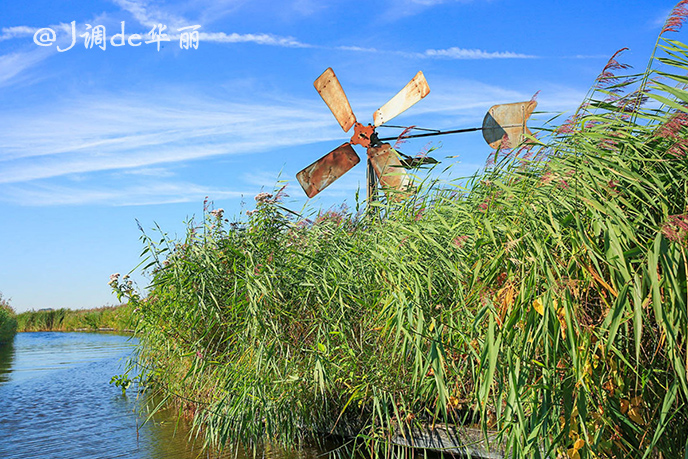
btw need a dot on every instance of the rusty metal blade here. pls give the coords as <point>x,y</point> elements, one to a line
<point>323,172</point>
<point>508,120</point>
<point>414,91</point>
<point>388,168</point>
<point>332,93</point>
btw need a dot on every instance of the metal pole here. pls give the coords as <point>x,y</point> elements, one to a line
<point>371,180</point>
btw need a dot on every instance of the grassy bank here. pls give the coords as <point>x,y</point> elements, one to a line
<point>113,317</point>
<point>8,321</point>
<point>544,298</point>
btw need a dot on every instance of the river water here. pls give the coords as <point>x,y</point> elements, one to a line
<point>56,401</point>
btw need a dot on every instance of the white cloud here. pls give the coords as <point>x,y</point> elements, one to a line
<point>261,39</point>
<point>7,33</point>
<point>133,195</point>
<point>13,64</point>
<point>150,16</point>
<point>461,53</point>
<point>150,172</point>
<point>103,132</point>
<point>358,49</point>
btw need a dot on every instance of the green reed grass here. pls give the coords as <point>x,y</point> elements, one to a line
<point>8,321</point>
<point>545,299</point>
<point>111,317</point>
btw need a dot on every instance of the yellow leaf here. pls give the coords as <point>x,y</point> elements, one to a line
<point>561,315</point>
<point>624,405</point>
<point>635,415</point>
<point>573,453</point>
<point>537,305</point>
<point>635,411</point>
<point>579,444</point>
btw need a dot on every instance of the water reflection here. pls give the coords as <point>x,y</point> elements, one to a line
<point>6,360</point>
<point>56,402</point>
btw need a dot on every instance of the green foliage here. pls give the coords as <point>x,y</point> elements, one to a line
<point>109,317</point>
<point>545,299</point>
<point>8,321</point>
<point>122,381</point>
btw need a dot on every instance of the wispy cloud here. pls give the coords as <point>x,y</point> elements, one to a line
<point>132,195</point>
<point>462,53</point>
<point>101,132</point>
<point>260,39</point>
<point>398,9</point>
<point>447,53</point>
<point>7,33</point>
<point>588,56</point>
<point>14,64</point>
<point>150,15</point>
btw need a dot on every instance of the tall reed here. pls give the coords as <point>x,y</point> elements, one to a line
<point>108,317</point>
<point>8,321</point>
<point>544,298</point>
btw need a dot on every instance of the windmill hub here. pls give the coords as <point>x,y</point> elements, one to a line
<point>362,135</point>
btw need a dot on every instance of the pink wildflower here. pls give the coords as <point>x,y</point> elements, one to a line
<point>217,213</point>
<point>263,197</point>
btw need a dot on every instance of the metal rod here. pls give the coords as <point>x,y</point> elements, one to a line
<point>456,131</point>
<point>409,127</point>
<point>429,134</point>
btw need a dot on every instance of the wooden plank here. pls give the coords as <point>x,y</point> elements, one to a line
<point>463,440</point>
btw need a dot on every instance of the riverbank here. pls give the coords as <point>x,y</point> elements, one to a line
<point>109,318</point>
<point>8,321</point>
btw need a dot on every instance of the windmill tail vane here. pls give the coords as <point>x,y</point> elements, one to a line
<point>384,167</point>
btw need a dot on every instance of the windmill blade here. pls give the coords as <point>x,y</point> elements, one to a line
<point>332,93</point>
<point>323,172</point>
<point>414,91</point>
<point>507,121</point>
<point>389,170</point>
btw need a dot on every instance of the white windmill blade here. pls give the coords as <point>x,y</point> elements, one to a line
<point>331,91</point>
<point>414,91</point>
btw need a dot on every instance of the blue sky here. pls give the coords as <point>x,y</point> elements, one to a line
<point>93,139</point>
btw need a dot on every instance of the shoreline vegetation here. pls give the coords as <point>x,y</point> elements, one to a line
<point>544,299</point>
<point>8,321</point>
<point>108,318</point>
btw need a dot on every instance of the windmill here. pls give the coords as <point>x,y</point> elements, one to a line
<point>502,122</point>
